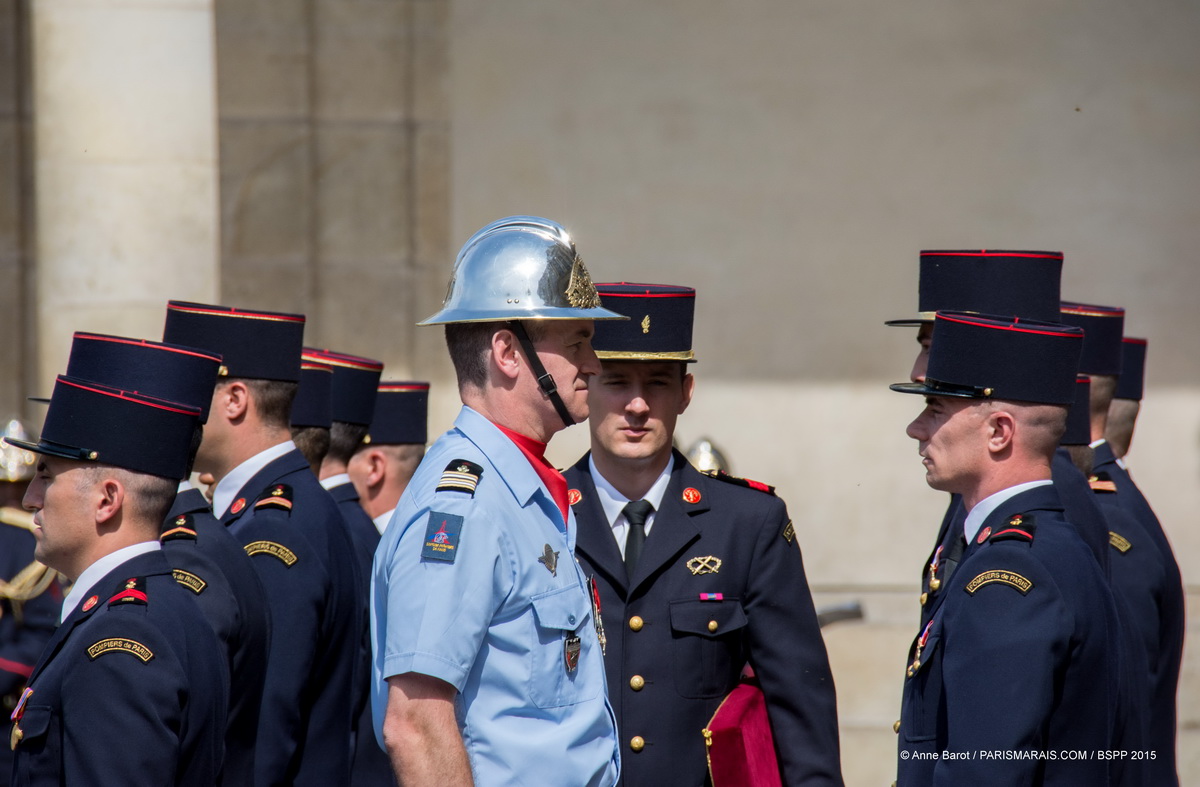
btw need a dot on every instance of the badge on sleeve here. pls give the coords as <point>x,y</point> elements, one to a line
<point>441,537</point>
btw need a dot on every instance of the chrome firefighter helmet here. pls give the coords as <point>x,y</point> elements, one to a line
<point>520,268</point>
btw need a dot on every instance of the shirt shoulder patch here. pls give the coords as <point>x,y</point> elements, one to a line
<point>442,537</point>
<point>120,645</point>
<point>460,476</point>
<point>278,496</point>
<point>189,580</point>
<point>1102,482</point>
<point>1010,578</point>
<point>1020,527</point>
<point>272,548</point>
<point>721,475</point>
<point>789,532</point>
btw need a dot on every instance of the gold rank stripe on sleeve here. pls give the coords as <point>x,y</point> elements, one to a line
<point>120,645</point>
<point>1010,578</point>
<point>189,581</point>
<point>274,549</point>
<point>1119,542</point>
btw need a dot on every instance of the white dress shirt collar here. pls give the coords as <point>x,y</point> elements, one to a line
<point>986,506</point>
<point>229,486</point>
<point>98,570</point>
<point>613,502</point>
<point>335,480</point>
<point>383,520</point>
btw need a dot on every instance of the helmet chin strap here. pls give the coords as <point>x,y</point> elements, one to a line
<point>545,381</point>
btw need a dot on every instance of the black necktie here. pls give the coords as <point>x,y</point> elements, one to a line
<point>636,512</point>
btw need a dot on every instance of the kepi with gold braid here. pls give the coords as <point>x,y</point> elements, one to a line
<point>659,326</point>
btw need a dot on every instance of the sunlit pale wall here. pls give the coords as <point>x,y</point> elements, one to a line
<point>789,159</point>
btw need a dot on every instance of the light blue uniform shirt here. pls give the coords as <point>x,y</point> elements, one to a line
<point>462,590</point>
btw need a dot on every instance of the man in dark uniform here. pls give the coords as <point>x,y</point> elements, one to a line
<point>205,557</point>
<point>351,407</point>
<point>269,499</point>
<point>133,686</point>
<point>382,467</point>
<point>1141,552</point>
<point>1021,283</point>
<point>1017,657</point>
<point>697,575</point>
<point>30,592</point>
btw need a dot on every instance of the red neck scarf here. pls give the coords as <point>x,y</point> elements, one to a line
<point>535,452</point>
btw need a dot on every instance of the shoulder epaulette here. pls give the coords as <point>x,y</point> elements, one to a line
<point>17,518</point>
<point>1020,527</point>
<point>1102,482</point>
<point>275,496</point>
<point>721,475</point>
<point>179,529</point>
<point>131,591</point>
<point>460,476</point>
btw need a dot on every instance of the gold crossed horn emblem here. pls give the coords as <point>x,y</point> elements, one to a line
<point>704,565</point>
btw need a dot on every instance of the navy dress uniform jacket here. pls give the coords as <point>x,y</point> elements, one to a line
<point>208,561</point>
<point>25,626</point>
<point>127,692</point>
<point>294,534</point>
<point>1165,665</point>
<point>724,539</point>
<point>371,765</point>
<point>1017,668</point>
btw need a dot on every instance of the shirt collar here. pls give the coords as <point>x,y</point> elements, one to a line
<point>1097,443</point>
<point>383,520</point>
<point>229,486</point>
<point>986,506</point>
<point>98,570</point>
<point>335,480</point>
<point>613,502</point>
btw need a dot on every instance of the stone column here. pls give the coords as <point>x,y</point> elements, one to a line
<point>126,167</point>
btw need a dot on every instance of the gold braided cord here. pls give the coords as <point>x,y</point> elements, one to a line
<point>31,582</point>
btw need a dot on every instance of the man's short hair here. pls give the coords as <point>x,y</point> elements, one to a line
<point>344,440</point>
<point>313,442</point>
<point>272,399</point>
<point>470,342</point>
<point>147,497</point>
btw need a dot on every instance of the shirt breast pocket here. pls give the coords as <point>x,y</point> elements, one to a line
<point>39,752</point>
<point>923,694</point>
<point>559,675</point>
<point>708,646</point>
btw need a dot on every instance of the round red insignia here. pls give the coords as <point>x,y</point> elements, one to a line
<point>983,535</point>
<point>691,494</point>
<point>91,602</point>
<point>238,505</point>
<point>574,496</point>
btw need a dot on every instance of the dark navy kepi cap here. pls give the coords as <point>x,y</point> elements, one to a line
<point>355,380</point>
<point>91,422</point>
<point>659,328</point>
<point>1079,415</point>
<point>164,371</point>
<point>1133,369</point>
<point>988,281</point>
<point>401,414</point>
<point>254,345</point>
<point>313,403</point>
<point>1103,327</point>
<point>985,356</point>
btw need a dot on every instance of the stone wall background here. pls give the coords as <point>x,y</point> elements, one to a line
<point>786,159</point>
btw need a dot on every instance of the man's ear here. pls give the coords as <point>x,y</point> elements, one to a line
<point>110,500</point>
<point>376,467</point>
<point>232,400</point>
<point>689,385</point>
<point>505,353</point>
<point>1002,427</point>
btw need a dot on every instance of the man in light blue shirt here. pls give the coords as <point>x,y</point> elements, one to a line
<point>487,659</point>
